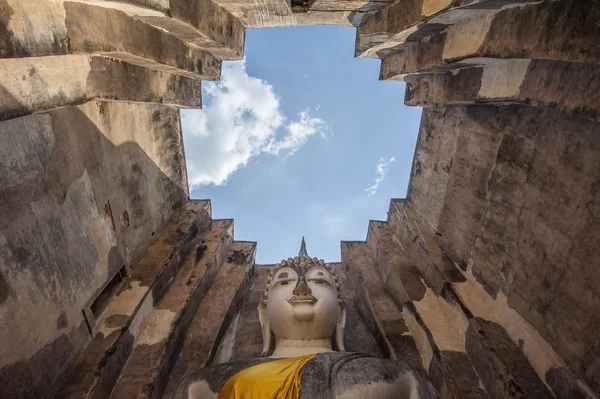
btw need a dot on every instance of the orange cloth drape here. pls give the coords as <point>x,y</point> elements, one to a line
<point>278,379</point>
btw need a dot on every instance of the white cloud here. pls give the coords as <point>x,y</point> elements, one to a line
<point>382,167</point>
<point>298,133</point>
<point>240,120</point>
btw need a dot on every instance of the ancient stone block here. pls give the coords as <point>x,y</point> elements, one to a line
<point>112,27</point>
<point>30,29</point>
<point>383,31</point>
<point>41,83</point>
<point>566,86</point>
<point>224,32</point>
<point>502,30</point>
<point>55,227</point>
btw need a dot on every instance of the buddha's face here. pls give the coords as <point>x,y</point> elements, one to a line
<point>303,303</point>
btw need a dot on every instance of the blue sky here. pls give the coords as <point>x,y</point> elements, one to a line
<point>300,138</point>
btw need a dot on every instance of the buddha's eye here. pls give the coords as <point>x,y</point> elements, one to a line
<point>284,282</point>
<point>319,281</point>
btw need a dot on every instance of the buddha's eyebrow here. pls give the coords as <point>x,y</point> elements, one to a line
<point>283,275</point>
<point>320,274</point>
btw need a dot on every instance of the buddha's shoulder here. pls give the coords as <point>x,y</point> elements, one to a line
<point>355,375</point>
<point>210,380</point>
<point>345,375</point>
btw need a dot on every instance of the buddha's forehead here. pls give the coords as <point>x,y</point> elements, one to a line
<point>299,271</point>
<point>293,272</point>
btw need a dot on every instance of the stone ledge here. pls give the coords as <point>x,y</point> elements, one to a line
<point>390,26</point>
<point>573,88</point>
<point>37,84</point>
<point>517,31</point>
<point>438,324</point>
<point>226,31</point>
<point>434,315</point>
<point>105,27</point>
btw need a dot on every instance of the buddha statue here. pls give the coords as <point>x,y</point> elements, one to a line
<point>303,312</point>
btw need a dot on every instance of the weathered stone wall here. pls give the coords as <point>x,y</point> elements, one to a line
<point>516,207</point>
<point>501,213</point>
<point>84,190</point>
<point>88,182</point>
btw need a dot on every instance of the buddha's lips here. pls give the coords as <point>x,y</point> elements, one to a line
<point>302,299</point>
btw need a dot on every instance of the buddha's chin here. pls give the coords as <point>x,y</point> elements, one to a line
<point>304,312</point>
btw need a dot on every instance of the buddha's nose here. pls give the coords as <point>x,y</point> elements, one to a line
<point>301,288</point>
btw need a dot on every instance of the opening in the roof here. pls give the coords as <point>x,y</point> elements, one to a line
<point>300,138</point>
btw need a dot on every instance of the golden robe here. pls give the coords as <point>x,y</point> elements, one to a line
<point>278,379</point>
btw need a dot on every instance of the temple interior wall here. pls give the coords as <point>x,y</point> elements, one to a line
<point>84,191</point>
<point>515,205</point>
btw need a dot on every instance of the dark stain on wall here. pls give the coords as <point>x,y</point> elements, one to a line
<point>238,257</point>
<point>117,321</point>
<point>4,289</point>
<point>6,36</point>
<point>200,251</point>
<point>62,321</point>
<point>594,209</point>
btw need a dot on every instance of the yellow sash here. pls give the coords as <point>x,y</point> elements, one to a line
<point>278,379</point>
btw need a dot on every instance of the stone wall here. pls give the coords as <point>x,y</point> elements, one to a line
<point>520,220</point>
<point>91,167</point>
<point>501,216</point>
<point>84,190</point>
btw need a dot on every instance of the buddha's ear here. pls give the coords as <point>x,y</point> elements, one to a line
<point>265,327</point>
<point>341,326</point>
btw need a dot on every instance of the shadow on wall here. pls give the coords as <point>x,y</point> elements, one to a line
<point>83,190</point>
